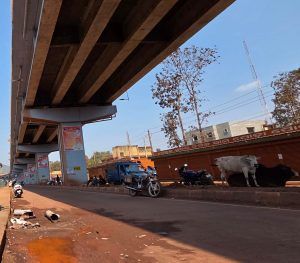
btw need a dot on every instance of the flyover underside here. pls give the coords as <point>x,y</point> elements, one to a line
<point>87,53</point>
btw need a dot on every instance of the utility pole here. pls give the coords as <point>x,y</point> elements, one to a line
<point>150,141</point>
<point>129,144</point>
<point>145,148</point>
<point>259,86</point>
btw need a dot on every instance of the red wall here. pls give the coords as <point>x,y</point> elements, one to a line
<point>267,151</point>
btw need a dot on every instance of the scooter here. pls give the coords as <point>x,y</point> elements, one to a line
<point>190,177</point>
<point>18,190</point>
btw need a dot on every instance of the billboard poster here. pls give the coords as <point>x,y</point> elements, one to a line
<point>72,138</point>
<point>31,169</point>
<point>42,161</point>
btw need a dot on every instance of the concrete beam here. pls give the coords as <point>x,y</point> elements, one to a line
<point>38,133</point>
<point>148,16</point>
<point>24,160</point>
<point>192,17</point>
<point>79,54</point>
<point>69,115</point>
<point>49,15</point>
<point>19,166</point>
<point>52,136</point>
<point>42,148</point>
<point>22,131</point>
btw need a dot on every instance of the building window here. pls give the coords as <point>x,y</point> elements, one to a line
<point>225,132</point>
<point>209,135</point>
<point>250,129</point>
<point>195,138</point>
<point>121,154</point>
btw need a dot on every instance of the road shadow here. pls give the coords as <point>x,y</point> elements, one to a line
<point>238,233</point>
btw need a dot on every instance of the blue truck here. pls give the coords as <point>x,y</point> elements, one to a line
<point>115,172</point>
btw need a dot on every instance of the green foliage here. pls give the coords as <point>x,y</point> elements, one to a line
<point>287,98</point>
<point>98,157</point>
<point>55,166</point>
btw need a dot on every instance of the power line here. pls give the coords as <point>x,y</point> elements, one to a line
<point>243,103</point>
<point>222,112</point>
<point>224,103</point>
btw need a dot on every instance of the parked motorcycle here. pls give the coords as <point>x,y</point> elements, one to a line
<point>190,177</point>
<point>54,182</point>
<point>96,181</point>
<point>139,181</point>
<point>18,190</point>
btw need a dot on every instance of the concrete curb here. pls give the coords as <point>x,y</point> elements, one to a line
<point>5,195</point>
<point>273,197</point>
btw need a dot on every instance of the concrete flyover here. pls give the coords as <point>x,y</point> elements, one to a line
<point>72,59</point>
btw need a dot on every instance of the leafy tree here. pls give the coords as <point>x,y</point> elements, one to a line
<point>98,157</point>
<point>177,87</point>
<point>55,166</point>
<point>287,98</point>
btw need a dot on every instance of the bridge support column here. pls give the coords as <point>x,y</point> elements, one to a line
<point>42,167</point>
<point>72,154</point>
<point>31,174</point>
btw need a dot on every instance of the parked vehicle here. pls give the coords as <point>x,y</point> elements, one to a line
<point>190,177</point>
<point>18,190</point>
<point>137,180</point>
<point>54,182</point>
<point>114,173</point>
<point>151,170</point>
<point>96,181</point>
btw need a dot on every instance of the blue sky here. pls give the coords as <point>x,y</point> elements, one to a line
<point>272,31</point>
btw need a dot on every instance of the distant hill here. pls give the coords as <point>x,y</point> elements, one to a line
<point>5,169</point>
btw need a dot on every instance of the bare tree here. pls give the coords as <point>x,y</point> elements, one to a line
<point>170,124</point>
<point>178,85</point>
<point>190,63</point>
<point>168,95</point>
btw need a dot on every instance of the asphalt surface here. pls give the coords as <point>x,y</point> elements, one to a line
<point>101,227</point>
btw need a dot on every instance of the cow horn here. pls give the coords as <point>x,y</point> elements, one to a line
<point>295,172</point>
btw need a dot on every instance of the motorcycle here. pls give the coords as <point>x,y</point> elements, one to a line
<point>18,190</point>
<point>96,181</point>
<point>54,182</point>
<point>190,177</point>
<point>142,182</point>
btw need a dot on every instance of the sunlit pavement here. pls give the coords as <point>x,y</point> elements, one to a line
<point>98,227</point>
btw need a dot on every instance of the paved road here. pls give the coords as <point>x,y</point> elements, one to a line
<point>99,227</point>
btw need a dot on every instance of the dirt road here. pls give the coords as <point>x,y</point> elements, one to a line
<point>98,227</point>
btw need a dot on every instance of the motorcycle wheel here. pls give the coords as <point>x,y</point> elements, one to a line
<point>132,193</point>
<point>154,189</point>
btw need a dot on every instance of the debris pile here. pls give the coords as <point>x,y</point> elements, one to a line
<point>20,217</point>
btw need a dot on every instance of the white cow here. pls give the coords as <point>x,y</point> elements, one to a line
<point>237,164</point>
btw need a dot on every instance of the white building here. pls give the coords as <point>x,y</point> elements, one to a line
<point>225,130</point>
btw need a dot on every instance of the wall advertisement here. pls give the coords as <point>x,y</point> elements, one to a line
<point>72,138</point>
<point>42,161</point>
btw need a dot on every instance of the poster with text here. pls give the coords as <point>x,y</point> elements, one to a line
<point>31,169</point>
<point>72,138</point>
<point>42,161</point>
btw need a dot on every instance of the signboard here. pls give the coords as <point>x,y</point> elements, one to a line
<point>72,138</point>
<point>42,161</point>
